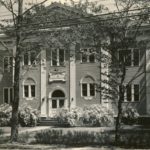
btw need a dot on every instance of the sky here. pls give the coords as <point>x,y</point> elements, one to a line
<point>6,15</point>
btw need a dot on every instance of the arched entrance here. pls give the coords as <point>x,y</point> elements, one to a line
<point>57,102</point>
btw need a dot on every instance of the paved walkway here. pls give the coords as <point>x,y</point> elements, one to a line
<point>7,130</point>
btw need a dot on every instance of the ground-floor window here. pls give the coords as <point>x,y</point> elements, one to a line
<point>131,93</point>
<point>87,87</point>
<point>29,88</point>
<point>8,95</point>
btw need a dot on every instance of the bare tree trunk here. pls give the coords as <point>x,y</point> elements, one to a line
<point>121,97</point>
<point>15,103</point>
<point>119,116</point>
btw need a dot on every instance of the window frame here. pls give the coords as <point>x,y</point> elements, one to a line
<point>83,53</point>
<point>29,55</point>
<point>131,57</point>
<point>9,94</point>
<point>88,88</point>
<point>132,93</point>
<point>30,85</point>
<point>58,59</point>
<point>10,62</point>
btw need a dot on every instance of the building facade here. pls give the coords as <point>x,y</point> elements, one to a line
<point>59,77</point>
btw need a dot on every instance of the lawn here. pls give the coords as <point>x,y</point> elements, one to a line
<point>130,134</point>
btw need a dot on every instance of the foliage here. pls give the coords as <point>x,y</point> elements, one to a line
<point>130,116</point>
<point>72,138</point>
<point>5,114</point>
<point>1,132</point>
<point>94,115</point>
<point>28,116</point>
<point>24,138</point>
<point>135,139</point>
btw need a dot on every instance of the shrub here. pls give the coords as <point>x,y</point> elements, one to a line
<point>5,114</point>
<point>28,116</point>
<point>1,132</point>
<point>77,138</point>
<point>130,116</point>
<point>94,115</point>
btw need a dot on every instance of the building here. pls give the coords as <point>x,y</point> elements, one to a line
<point>57,77</point>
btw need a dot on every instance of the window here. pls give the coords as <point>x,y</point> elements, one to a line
<point>58,57</point>
<point>29,58</point>
<point>136,92</point>
<point>130,57</point>
<point>136,57</point>
<point>8,95</point>
<point>88,55</point>
<point>125,56</point>
<point>88,87</point>
<point>58,99</point>
<point>8,62</point>
<point>29,88</point>
<point>131,93</point>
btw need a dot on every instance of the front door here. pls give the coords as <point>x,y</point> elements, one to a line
<point>57,102</point>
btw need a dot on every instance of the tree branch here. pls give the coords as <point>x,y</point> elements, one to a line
<point>34,6</point>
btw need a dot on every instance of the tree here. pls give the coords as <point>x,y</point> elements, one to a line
<point>16,27</point>
<point>107,34</point>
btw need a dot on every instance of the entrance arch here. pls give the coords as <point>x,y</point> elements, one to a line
<point>56,102</point>
<point>58,99</point>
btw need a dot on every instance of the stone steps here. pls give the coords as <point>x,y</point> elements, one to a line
<point>50,122</point>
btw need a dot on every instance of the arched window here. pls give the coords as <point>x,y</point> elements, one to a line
<point>58,99</point>
<point>88,87</point>
<point>29,88</point>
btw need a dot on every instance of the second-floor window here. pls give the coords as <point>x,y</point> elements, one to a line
<point>29,58</point>
<point>129,57</point>
<point>57,57</point>
<point>8,64</point>
<point>88,55</point>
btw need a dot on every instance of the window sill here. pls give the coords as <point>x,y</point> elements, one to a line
<point>29,98</point>
<point>88,97</point>
<point>131,101</point>
<point>87,62</point>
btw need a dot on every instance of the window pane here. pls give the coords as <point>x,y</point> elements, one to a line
<point>33,58</point>
<point>121,88</point>
<point>6,100</point>
<point>84,58</point>
<point>61,57</point>
<point>127,55</point>
<point>92,90</point>
<point>10,63</point>
<point>128,93</point>
<point>26,90</point>
<point>84,89</point>
<point>54,57</point>
<point>92,58</point>
<point>61,103</point>
<point>136,92</point>
<point>54,103</point>
<point>136,57</point>
<point>26,58</point>
<point>11,95</point>
<point>6,64</point>
<point>121,57</point>
<point>32,90</point>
